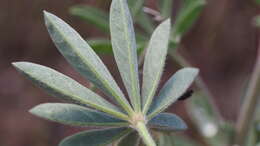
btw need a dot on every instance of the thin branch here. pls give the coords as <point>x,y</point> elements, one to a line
<point>250,104</point>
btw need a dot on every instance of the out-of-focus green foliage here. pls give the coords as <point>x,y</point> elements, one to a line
<point>186,17</point>
<point>257,21</point>
<point>215,132</point>
<point>92,15</point>
<point>258,2</point>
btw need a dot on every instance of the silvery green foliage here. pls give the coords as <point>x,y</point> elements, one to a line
<point>120,120</point>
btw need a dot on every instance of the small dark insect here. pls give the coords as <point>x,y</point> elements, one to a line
<point>186,95</point>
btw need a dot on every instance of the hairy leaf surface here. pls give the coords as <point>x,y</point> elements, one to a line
<point>154,62</point>
<point>124,48</point>
<point>64,87</point>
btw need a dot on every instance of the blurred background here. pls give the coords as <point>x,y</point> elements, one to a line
<point>222,43</point>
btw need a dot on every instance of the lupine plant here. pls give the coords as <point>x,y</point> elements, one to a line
<point>123,118</point>
<point>211,128</point>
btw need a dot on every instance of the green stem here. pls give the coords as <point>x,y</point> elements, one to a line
<point>144,134</point>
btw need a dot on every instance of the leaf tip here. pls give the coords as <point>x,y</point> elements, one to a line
<point>194,71</point>
<point>46,13</point>
<point>41,110</point>
<point>20,65</point>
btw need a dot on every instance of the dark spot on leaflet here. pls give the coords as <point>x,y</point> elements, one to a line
<point>186,95</point>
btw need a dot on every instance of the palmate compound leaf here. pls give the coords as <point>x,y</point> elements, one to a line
<point>75,115</point>
<point>154,63</point>
<point>95,137</point>
<point>167,122</point>
<point>172,90</point>
<point>81,56</point>
<point>124,48</point>
<point>64,87</point>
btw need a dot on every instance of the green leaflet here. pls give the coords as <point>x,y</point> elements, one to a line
<point>132,139</point>
<point>154,63</point>
<point>186,18</point>
<point>172,90</point>
<point>165,8</point>
<point>92,15</point>
<point>81,56</point>
<point>75,115</point>
<point>95,137</point>
<point>124,48</point>
<point>62,86</point>
<point>167,122</point>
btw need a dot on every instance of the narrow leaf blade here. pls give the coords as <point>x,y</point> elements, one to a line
<point>131,139</point>
<point>75,115</point>
<point>154,62</point>
<point>92,15</point>
<point>61,86</point>
<point>124,48</point>
<point>95,137</point>
<point>168,122</point>
<point>81,56</point>
<point>173,89</point>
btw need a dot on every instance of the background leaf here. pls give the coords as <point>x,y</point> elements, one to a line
<point>124,48</point>
<point>135,6</point>
<point>61,86</point>
<point>173,89</point>
<point>257,21</point>
<point>186,18</point>
<point>75,115</point>
<point>104,46</point>
<point>81,56</point>
<point>154,63</point>
<point>95,137</point>
<point>145,22</point>
<point>168,122</point>
<point>92,15</point>
<point>165,7</point>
